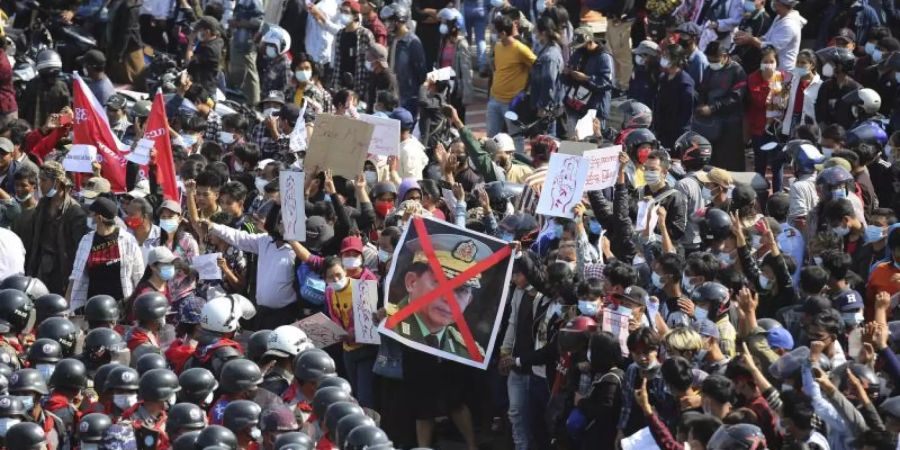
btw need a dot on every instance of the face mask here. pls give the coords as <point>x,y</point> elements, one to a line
<point>353,262</point>
<point>171,401</point>
<point>46,371</point>
<point>124,401</point>
<point>383,256</point>
<point>90,223</point>
<point>371,177</point>
<point>169,225</point>
<point>270,112</point>
<point>726,258</point>
<point>876,57</point>
<point>340,284</point>
<point>870,48</point>
<point>706,194</point>
<point>270,52</point>
<point>507,237</point>
<point>897,77</point>
<point>557,231</point>
<point>657,281</point>
<point>764,281</point>
<point>260,184</point>
<point>51,193</point>
<point>651,177</point>
<point>749,6</point>
<point>383,208</point>
<point>700,313</point>
<point>226,137</point>
<point>664,62</point>
<point>6,423</point>
<point>828,70</point>
<point>303,76</point>
<point>640,60</point>
<point>133,222</point>
<point>26,197</point>
<point>89,446</point>
<point>28,401</point>
<point>237,166</point>
<point>444,29</point>
<point>852,319</point>
<point>209,398</point>
<point>256,434</point>
<point>874,233</point>
<point>554,309</point>
<point>188,140</point>
<point>817,260</point>
<point>838,193</point>
<point>587,308</point>
<point>786,387</point>
<point>841,231</point>
<point>345,19</point>
<point>167,272</point>
<point>496,3</point>
<point>800,71</point>
<point>686,284</point>
<point>369,66</point>
<point>770,67</point>
<point>595,227</point>
<point>715,66</point>
<point>827,151</point>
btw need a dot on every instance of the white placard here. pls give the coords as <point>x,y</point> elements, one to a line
<point>641,440</point>
<point>207,266</point>
<point>365,303</point>
<point>603,167</point>
<point>321,330</point>
<point>646,208</point>
<point>385,137</point>
<point>141,153</point>
<point>80,158</point>
<point>298,140</point>
<point>585,126</point>
<point>442,74</point>
<point>616,324</point>
<point>449,199</point>
<point>293,204</point>
<point>563,185</point>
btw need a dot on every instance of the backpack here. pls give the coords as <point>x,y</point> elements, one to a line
<point>311,284</point>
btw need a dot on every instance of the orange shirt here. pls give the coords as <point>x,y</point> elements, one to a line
<point>881,279</point>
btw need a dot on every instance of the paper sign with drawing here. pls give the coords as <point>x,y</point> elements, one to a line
<point>365,303</point>
<point>321,330</point>
<point>563,185</point>
<point>293,204</point>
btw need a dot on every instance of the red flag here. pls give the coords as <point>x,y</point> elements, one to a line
<point>157,130</point>
<point>92,128</point>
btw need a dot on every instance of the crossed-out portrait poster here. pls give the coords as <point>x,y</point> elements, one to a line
<point>446,290</point>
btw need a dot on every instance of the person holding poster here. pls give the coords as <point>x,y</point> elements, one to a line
<point>656,169</point>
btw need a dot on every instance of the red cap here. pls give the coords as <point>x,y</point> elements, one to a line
<point>353,4</point>
<point>352,243</point>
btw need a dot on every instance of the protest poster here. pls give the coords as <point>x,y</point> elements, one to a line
<point>80,158</point>
<point>603,167</point>
<point>446,290</point>
<point>207,266</point>
<point>293,204</point>
<point>646,215</point>
<point>575,148</point>
<point>365,303</point>
<point>340,144</point>
<point>640,440</point>
<point>616,324</point>
<point>140,155</point>
<point>385,136</point>
<point>563,186</point>
<point>297,141</point>
<point>321,330</point>
<point>585,125</point>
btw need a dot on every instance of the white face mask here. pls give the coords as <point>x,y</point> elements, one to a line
<point>764,281</point>
<point>271,52</point>
<point>664,62</point>
<point>226,137</point>
<point>346,19</point>
<point>169,225</point>
<point>540,6</point>
<point>6,423</point>
<point>870,48</point>
<point>715,66</point>
<point>651,177</point>
<point>877,56</point>
<point>51,193</point>
<point>27,401</point>
<point>384,256</point>
<point>339,285</point>
<point>656,279</point>
<point>640,60</point>
<point>352,262</point>
<point>256,434</point>
<point>686,284</point>
<point>260,184</point>
<point>496,3</point>
<point>700,313</point>
<point>24,198</point>
<point>124,401</point>
<point>90,223</point>
<point>371,177</point>
<point>827,151</point>
<point>770,67</point>
<point>444,29</point>
<point>800,71</point>
<point>828,70</point>
<point>303,76</point>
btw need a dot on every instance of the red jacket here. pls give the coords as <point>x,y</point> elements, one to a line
<point>757,93</point>
<point>7,91</point>
<point>178,354</point>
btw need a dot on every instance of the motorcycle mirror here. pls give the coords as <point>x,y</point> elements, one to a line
<point>511,116</point>
<point>768,146</point>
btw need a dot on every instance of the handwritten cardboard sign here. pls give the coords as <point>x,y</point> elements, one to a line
<point>385,136</point>
<point>293,204</point>
<point>80,158</point>
<point>340,144</point>
<point>603,167</point>
<point>321,330</point>
<point>563,186</point>
<point>365,303</point>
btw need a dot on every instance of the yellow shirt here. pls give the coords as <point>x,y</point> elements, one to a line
<point>512,63</point>
<point>342,305</point>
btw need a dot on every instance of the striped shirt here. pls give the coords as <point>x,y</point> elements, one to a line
<point>534,183</point>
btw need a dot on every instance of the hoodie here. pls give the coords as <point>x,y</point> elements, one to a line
<point>784,35</point>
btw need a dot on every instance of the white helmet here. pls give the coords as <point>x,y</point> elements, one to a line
<point>278,37</point>
<point>222,314</point>
<point>287,341</point>
<point>870,100</point>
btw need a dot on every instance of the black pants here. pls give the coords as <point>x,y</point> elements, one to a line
<point>271,318</point>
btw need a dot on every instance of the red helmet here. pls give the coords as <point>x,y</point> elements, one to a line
<point>575,334</point>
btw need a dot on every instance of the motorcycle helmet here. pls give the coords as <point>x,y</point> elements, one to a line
<point>715,295</point>
<point>61,330</point>
<point>279,38</point>
<point>695,150</point>
<point>101,308</point>
<point>48,59</point>
<point>867,133</point>
<point>804,155</point>
<point>50,305</point>
<point>197,386</point>
<point>742,436</point>
<point>863,102</point>
<point>32,287</point>
<point>637,138</point>
<point>287,341</point>
<point>715,225</point>
<point>636,115</point>
<point>239,375</point>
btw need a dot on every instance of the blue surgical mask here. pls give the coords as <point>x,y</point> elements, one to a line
<point>764,281</point>
<point>749,6</point>
<point>838,193</point>
<point>27,401</point>
<point>651,177</point>
<point>870,48</point>
<point>726,258</point>
<point>687,284</point>
<point>657,281</point>
<point>874,233</point>
<point>27,197</point>
<point>706,194</point>
<point>587,308</point>
<point>700,313</point>
<point>188,140</point>
<point>167,271</point>
<point>595,227</point>
<point>853,318</point>
<point>877,55</point>
<point>558,231</point>
<point>507,236</point>
<point>51,193</point>
<point>169,225</point>
<point>841,231</point>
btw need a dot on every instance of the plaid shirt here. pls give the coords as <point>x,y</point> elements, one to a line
<point>276,75</point>
<point>364,39</point>
<point>659,398</point>
<point>131,266</point>
<point>269,147</point>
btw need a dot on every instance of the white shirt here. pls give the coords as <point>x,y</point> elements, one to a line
<point>413,158</point>
<point>803,196</point>
<point>131,266</point>
<point>12,254</point>
<point>784,35</point>
<point>275,265</point>
<point>320,36</point>
<point>809,103</point>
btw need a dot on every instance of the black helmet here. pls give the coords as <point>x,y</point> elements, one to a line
<point>838,57</point>
<point>635,115</point>
<point>257,344</point>
<point>70,373</point>
<point>296,439</point>
<point>367,437</point>
<point>520,224</point>
<point>865,374</point>
<point>158,385</point>
<point>742,436</point>
<point>186,441</point>
<point>500,192</point>
<point>32,287</point>
<point>347,424</point>
<point>384,187</point>
<point>196,385</point>
<point>102,374</point>
<point>61,330</point>
<point>216,435</point>
<point>716,225</point>
<point>50,305</point>
<point>694,149</point>
<point>325,397</point>
<point>92,426</point>
<point>27,381</point>
<point>46,351</point>
<point>25,436</point>
<point>100,343</point>
<point>240,415</point>
<point>336,412</point>
<point>11,406</point>
<point>122,377</point>
<point>185,417</point>
<point>313,365</point>
<point>395,11</point>
<point>716,295</point>
<point>769,324</point>
<point>637,138</point>
<point>239,375</point>
<point>150,306</point>
<point>101,308</point>
<point>15,310</point>
<point>150,361</point>
<point>335,382</point>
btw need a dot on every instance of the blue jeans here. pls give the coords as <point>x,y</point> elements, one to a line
<point>772,158</point>
<point>528,397</point>
<point>476,23</point>
<point>495,122</point>
<point>358,364</point>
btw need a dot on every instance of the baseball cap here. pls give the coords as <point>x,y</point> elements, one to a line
<point>633,294</point>
<point>207,23</point>
<point>160,255</point>
<point>581,37</point>
<point>814,305</point>
<point>263,163</point>
<point>317,232</point>
<point>116,102</point>
<point>95,186</point>
<point>716,175</point>
<point>289,112</point>
<point>504,142</point>
<point>351,243</point>
<point>190,309</point>
<point>405,118</point>
<point>845,35</point>
<point>279,418</point>
<point>6,145</point>
<point>171,205</point>
<point>93,58</point>
<point>105,207</point>
<point>53,170</point>
<point>646,47</point>
<point>274,97</point>
<point>353,5</point>
<point>689,28</point>
<point>847,301</point>
<point>706,328</point>
<point>780,338</point>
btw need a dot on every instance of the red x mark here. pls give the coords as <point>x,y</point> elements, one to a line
<point>446,287</point>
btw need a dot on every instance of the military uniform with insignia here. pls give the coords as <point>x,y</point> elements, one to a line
<point>455,254</point>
